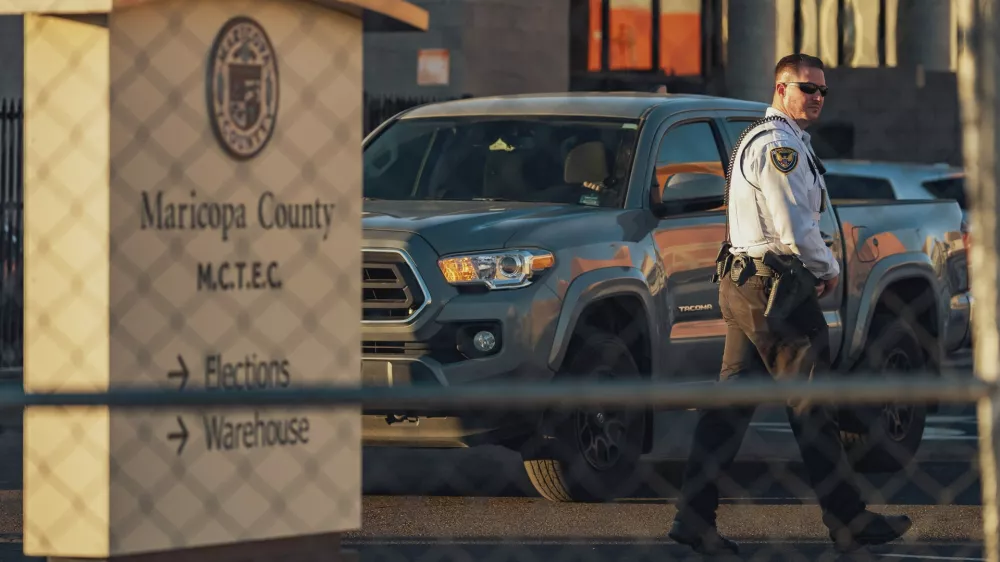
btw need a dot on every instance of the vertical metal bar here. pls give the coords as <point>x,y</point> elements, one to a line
<point>719,32</point>
<point>579,38</point>
<point>7,337</point>
<point>605,35</point>
<point>797,27</point>
<point>654,40</point>
<point>17,188</point>
<point>882,46</point>
<point>5,118</point>
<point>978,78</point>
<point>840,33</point>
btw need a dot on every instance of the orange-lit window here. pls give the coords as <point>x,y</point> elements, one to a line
<point>631,27</point>
<point>680,37</point>
<point>630,39</point>
<point>594,40</point>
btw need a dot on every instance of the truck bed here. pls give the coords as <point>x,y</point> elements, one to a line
<point>883,238</point>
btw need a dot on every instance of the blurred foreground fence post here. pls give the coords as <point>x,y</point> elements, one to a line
<point>979,85</point>
<point>192,187</point>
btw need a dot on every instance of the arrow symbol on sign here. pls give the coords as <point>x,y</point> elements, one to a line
<point>181,374</point>
<point>182,435</point>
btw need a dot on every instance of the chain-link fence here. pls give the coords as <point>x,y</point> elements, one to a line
<point>538,333</point>
<point>482,503</point>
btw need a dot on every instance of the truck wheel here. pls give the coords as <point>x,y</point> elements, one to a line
<point>589,454</point>
<point>886,438</point>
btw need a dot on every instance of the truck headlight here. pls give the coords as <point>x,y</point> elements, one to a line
<point>497,270</point>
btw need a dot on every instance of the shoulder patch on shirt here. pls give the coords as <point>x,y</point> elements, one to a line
<point>784,158</point>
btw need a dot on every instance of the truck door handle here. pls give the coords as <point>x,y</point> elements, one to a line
<point>827,239</point>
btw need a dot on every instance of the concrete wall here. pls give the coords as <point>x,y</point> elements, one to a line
<point>391,58</point>
<point>496,47</point>
<point>926,34</point>
<point>907,112</point>
<point>896,114</point>
<point>511,46</point>
<point>517,46</point>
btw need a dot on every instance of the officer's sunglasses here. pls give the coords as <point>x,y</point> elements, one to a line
<point>809,88</point>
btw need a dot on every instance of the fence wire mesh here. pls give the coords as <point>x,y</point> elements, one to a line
<point>482,503</point>
<point>192,187</point>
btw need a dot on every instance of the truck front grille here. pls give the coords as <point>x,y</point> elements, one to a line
<point>391,290</point>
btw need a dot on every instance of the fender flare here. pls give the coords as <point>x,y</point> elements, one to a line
<point>594,286</point>
<point>899,267</point>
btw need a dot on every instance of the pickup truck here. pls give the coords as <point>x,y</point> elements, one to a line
<point>880,180</point>
<point>573,236</point>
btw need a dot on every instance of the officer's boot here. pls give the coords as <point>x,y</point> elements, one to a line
<point>866,529</point>
<point>703,539</point>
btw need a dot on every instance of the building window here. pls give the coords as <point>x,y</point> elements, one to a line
<point>845,33</point>
<point>632,33</point>
<point>631,27</point>
<point>681,37</point>
<point>595,36</point>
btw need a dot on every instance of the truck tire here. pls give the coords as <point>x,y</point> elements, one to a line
<point>589,454</point>
<point>886,438</point>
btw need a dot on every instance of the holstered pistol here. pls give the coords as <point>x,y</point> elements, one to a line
<point>723,261</point>
<point>793,284</point>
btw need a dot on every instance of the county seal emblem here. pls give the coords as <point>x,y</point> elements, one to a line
<point>242,87</point>
<point>784,158</point>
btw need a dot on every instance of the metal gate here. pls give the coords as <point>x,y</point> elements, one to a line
<point>11,239</point>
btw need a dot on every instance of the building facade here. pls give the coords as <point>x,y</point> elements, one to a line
<point>503,45</point>
<point>891,63</point>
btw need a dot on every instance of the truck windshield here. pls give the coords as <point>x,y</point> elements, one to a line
<point>576,161</point>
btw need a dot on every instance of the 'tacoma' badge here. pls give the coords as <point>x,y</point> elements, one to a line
<point>242,87</point>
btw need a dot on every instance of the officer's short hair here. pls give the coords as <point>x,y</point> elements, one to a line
<point>796,62</point>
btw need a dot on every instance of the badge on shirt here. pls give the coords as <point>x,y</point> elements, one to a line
<point>784,159</point>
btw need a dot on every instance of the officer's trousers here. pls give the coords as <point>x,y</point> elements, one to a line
<point>788,349</point>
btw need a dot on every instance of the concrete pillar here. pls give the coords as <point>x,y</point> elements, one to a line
<point>978,73</point>
<point>925,33</point>
<point>217,104</point>
<point>760,32</point>
<point>864,50</point>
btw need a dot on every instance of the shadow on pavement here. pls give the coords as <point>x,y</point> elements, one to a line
<point>497,472</point>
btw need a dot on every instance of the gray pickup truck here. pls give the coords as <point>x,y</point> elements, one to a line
<point>554,236</point>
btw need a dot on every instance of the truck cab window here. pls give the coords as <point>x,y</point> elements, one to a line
<point>736,128</point>
<point>689,164</point>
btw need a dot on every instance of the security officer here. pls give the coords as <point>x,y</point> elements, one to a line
<point>775,197</point>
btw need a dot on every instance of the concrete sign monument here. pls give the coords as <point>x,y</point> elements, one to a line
<point>192,221</point>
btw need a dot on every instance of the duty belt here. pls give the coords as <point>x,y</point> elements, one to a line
<point>744,266</point>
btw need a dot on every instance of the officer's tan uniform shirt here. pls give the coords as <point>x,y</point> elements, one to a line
<point>775,198</point>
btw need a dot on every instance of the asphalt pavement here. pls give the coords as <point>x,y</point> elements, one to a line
<point>771,510</point>
<point>477,504</point>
